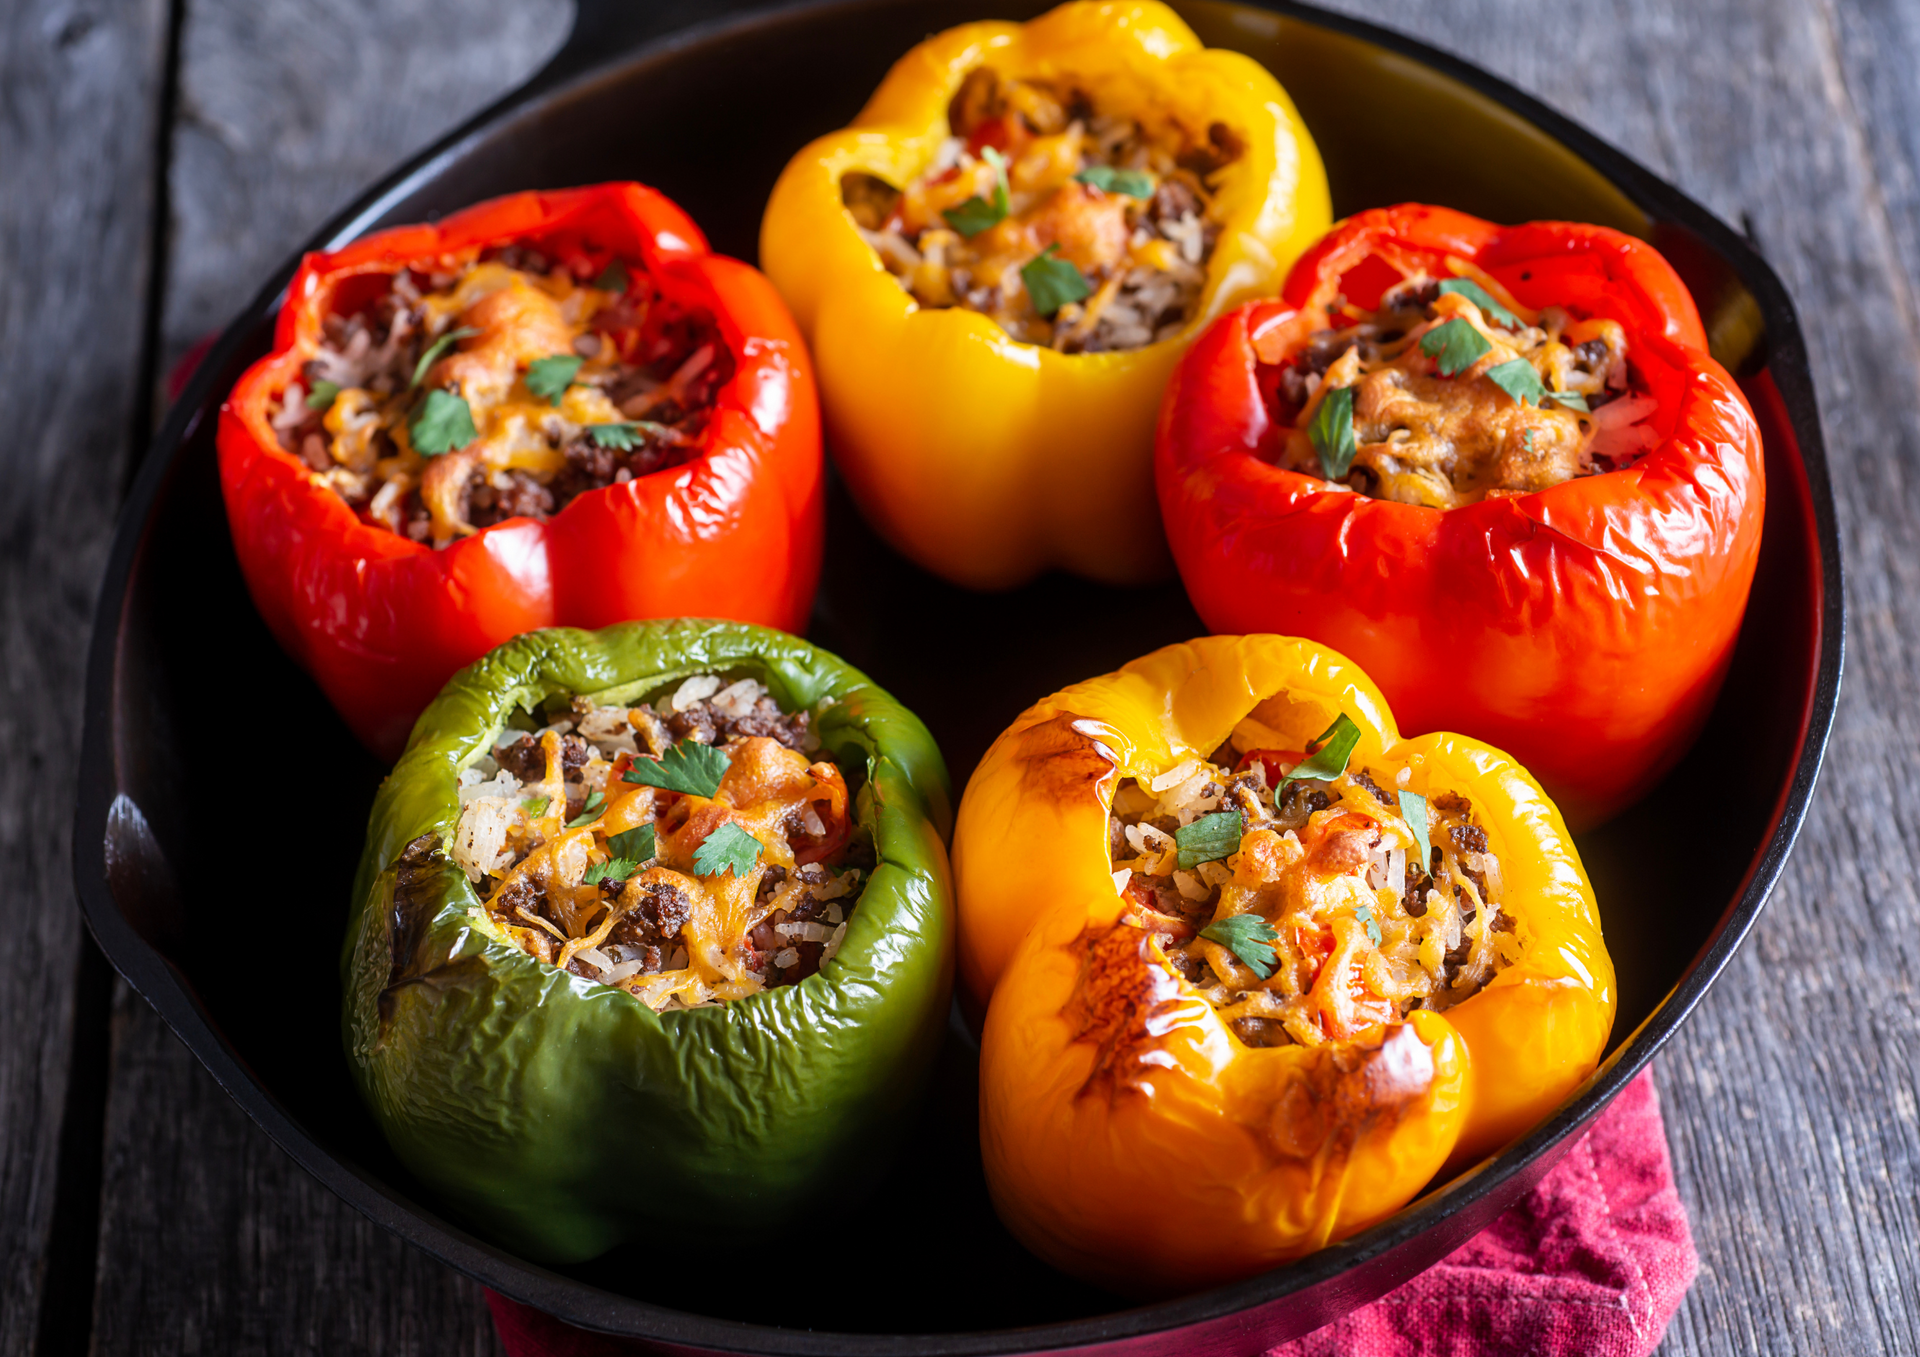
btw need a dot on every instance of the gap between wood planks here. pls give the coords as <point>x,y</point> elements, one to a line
<point>71,1268</point>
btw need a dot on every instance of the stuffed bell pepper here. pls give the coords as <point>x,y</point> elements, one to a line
<point>653,927</point>
<point>999,261</point>
<point>1255,967</point>
<point>1497,467</point>
<point>548,408</point>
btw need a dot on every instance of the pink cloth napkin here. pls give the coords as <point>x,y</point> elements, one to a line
<point>1591,1263</point>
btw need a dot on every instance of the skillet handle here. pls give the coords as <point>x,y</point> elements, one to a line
<point>605,30</point>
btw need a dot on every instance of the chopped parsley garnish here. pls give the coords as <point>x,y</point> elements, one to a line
<point>1365,915</point>
<point>977,214</point>
<point>536,805</point>
<point>1457,346</point>
<point>322,395</point>
<point>589,812</point>
<point>1518,379</point>
<point>1570,400</point>
<point>637,845</point>
<point>1480,297</point>
<point>1052,282</point>
<point>442,424</point>
<point>1209,838</point>
<point>1329,759</point>
<point>1112,179</point>
<point>613,278</point>
<point>689,767</point>
<point>613,869</point>
<point>549,378</point>
<point>1247,936</point>
<point>1332,432</point>
<point>728,848</point>
<point>1413,809</point>
<point>622,437</point>
<point>435,349</point>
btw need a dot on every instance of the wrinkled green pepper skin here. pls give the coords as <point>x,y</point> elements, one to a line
<point>560,1117</point>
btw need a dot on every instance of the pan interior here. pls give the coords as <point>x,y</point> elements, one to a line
<point>203,692</point>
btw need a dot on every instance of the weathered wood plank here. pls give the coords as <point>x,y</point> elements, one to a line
<point>1790,1098</point>
<point>211,1239</point>
<point>79,109</point>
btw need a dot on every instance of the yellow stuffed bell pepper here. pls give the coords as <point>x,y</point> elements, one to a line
<point>1255,968</point>
<point>1000,261</point>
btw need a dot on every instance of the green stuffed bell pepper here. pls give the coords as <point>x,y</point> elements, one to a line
<point>653,927</point>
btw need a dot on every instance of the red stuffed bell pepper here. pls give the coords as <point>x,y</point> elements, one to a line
<point>547,409</point>
<point>1496,467</point>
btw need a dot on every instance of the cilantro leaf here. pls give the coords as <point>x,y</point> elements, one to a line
<point>1517,378</point>
<point>1413,809</point>
<point>435,349</point>
<point>728,848</point>
<point>1209,838</point>
<point>624,436</point>
<point>536,806</point>
<point>442,424</point>
<point>1112,179</point>
<point>588,812</point>
<point>613,869</point>
<point>1329,760</point>
<point>1052,282</point>
<point>1456,344</point>
<point>1365,915</point>
<point>689,767</point>
<point>977,214</point>
<point>322,395</point>
<point>1332,432</point>
<point>549,378</point>
<point>613,278</point>
<point>637,845</point>
<point>1480,297</point>
<point>1247,936</point>
<point>1570,400</point>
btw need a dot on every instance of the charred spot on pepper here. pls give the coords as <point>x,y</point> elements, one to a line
<point>1342,1092</point>
<point>1118,992</point>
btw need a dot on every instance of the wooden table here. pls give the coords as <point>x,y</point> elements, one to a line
<point>157,159</point>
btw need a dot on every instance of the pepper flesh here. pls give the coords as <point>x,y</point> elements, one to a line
<point>1584,628</point>
<point>558,1116</point>
<point>1128,1136</point>
<point>987,460</point>
<point>381,621</point>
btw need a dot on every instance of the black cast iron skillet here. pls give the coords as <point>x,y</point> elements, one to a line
<point>228,917</point>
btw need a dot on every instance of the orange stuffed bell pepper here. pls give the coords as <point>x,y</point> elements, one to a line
<point>1255,967</point>
<point>1496,466</point>
<point>547,409</point>
<point>999,261</point>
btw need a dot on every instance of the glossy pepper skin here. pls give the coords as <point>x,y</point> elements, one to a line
<point>1129,1136</point>
<point>381,621</point>
<point>986,460</point>
<point>1585,628</point>
<point>558,1116</point>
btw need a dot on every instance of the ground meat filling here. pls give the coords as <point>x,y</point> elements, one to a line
<point>1352,929</point>
<point>501,385</point>
<point>547,834</point>
<point>1037,183</point>
<point>1453,396</point>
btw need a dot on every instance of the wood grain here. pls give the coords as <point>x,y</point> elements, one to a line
<point>1791,1096</point>
<point>211,1239</point>
<point>79,109</point>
